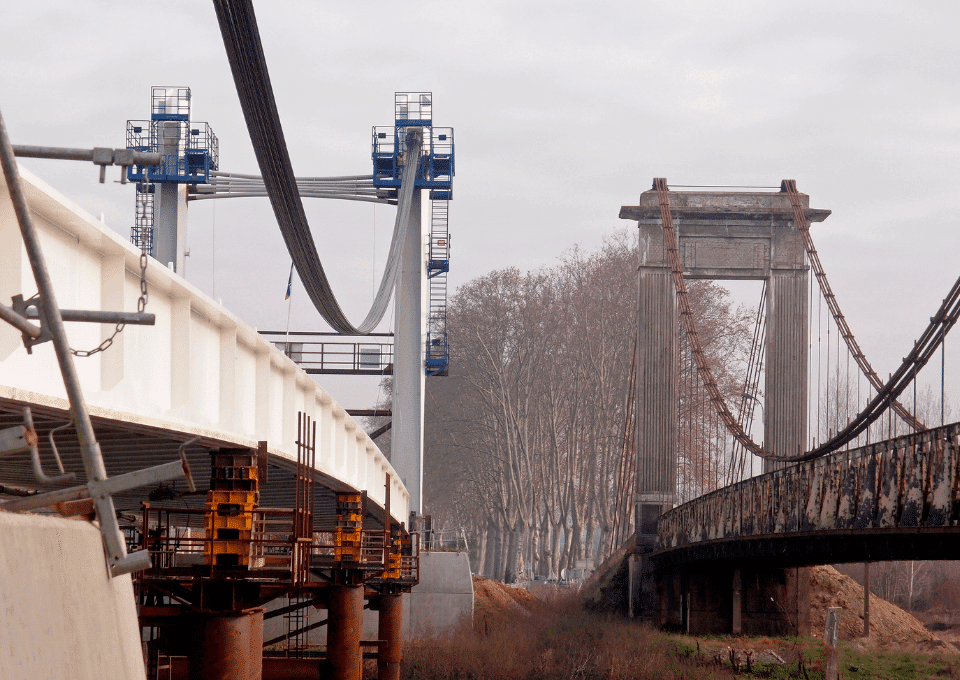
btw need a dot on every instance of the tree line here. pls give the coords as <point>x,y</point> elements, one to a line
<point>525,440</point>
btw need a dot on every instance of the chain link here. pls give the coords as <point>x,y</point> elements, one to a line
<point>141,306</point>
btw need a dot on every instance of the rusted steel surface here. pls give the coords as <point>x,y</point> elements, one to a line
<point>390,633</point>
<point>905,485</point>
<point>345,614</point>
<point>227,646</point>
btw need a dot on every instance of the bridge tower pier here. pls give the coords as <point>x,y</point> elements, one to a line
<point>748,235</point>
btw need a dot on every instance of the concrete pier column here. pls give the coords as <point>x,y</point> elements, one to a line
<point>166,227</point>
<point>226,646</point>
<point>390,634</point>
<point>736,614</point>
<point>412,310</point>
<point>656,397</point>
<point>345,614</point>
<point>785,412</point>
<point>656,433</point>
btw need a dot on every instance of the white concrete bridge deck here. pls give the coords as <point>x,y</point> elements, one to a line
<point>199,371</point>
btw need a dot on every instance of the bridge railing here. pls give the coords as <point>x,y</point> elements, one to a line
<point>444,540</point>
<point>176,538</point>
<point>330,354</point>
<point>908,482</point>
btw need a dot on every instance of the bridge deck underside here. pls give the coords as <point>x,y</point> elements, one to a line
<point>128,447</point>
<point>822,547</point>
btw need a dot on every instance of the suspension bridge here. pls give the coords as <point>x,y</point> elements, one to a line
<point>871,484</point>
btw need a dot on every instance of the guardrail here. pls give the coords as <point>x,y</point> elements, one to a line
<point>176,538</point>
<point>316,354</point>
<point>445,540</point>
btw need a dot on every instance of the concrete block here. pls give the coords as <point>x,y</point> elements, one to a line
<point>62,616</point>
<point>444,596</point>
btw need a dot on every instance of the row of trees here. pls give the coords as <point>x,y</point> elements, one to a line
<point>916,586</point>
<point>524,440</point>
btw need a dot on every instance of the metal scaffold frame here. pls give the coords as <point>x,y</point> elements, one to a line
<point>99,486</point>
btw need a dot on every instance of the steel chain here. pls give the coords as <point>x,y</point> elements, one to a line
<point>141,306</point>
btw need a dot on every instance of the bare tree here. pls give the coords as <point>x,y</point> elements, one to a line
<point>525,437</point>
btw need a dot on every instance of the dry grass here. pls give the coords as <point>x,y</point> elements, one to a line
<point>519,636</point>
<point>556,640</point>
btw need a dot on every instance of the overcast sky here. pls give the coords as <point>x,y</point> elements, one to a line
<point>563,112</point>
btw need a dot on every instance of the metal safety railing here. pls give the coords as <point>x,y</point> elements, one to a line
<point>413,106</point>
<point>177,538</point>
<point>317,355</point>
<point>444,540</point>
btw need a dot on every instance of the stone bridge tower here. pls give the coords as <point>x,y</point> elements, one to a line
<point>721,235</point>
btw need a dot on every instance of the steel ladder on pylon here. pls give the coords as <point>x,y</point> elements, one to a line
<point>438,264</point>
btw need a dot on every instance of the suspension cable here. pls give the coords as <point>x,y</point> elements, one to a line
<point>790,187</point>
<point>940,324</point>
<point>751,380</point>
<point>693,338</point>
<point>241,38</point>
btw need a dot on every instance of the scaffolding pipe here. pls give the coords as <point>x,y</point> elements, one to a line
<point>98,155</point>
<point>120,562</point>
<point>10,315</point>
<point>97,316</point>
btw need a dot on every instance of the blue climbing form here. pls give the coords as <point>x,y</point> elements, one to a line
<point>190,153</point>
<point>436,175</point>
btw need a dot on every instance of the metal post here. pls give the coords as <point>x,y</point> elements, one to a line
<point>345,614</point>
<point>390,634</point>
<point>386,524</point>
<point>96,473</point>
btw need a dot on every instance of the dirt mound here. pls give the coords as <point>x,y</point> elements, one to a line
<point>493,599</point>
<point>889,625</point>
